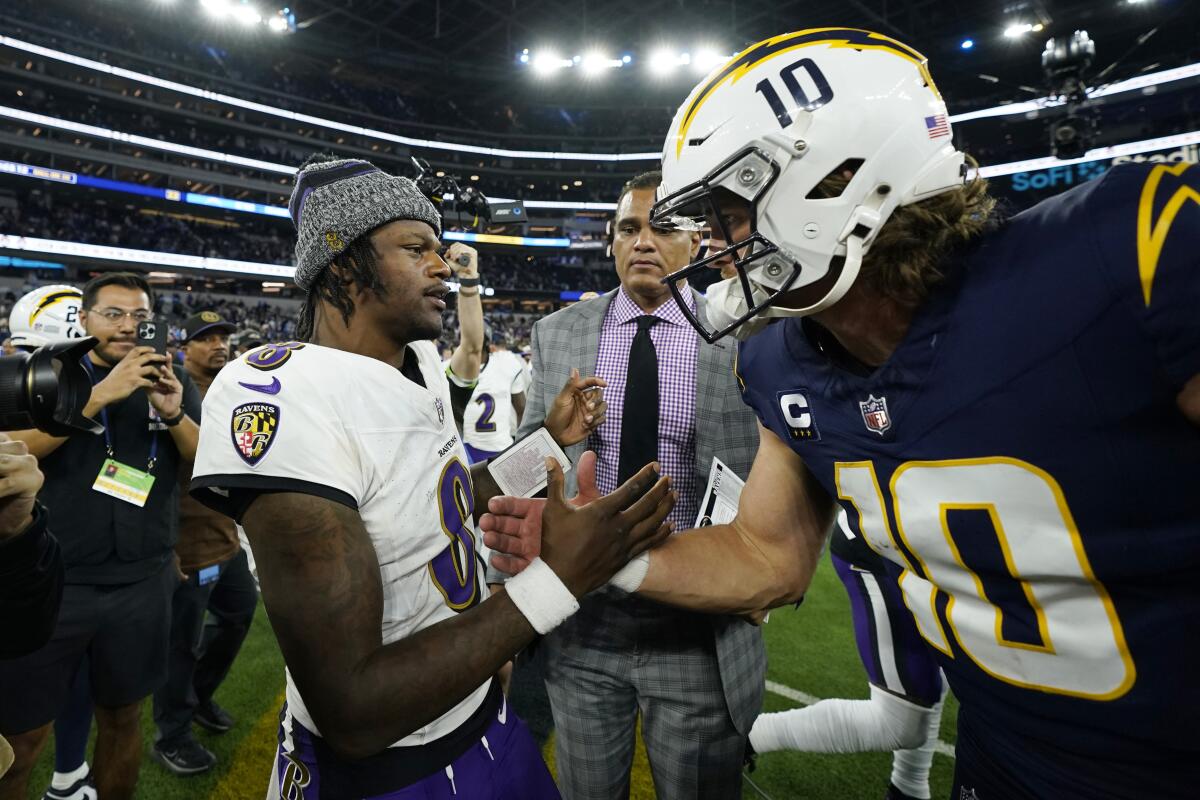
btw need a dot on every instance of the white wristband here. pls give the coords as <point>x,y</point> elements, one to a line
<point>539,594</point>
<point>630,576</point>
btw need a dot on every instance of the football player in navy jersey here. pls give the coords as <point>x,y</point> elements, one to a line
<point>1007,410</point>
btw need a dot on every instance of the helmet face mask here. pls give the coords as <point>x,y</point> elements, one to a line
<point>878,125</point>
<point>749,176</point>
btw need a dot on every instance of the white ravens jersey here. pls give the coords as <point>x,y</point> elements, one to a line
<point>490,420</point>
<point>311,419</point>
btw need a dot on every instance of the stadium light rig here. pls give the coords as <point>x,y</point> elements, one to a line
<point>707,59</point>
<point>592,63</point>
<point>549,62</point>
<point>218,9</point>
<point>665,61</point>
<point>248,15</point>
<point>1018,29</point>
<point>1138,83</point>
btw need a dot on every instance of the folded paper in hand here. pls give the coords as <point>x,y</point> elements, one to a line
<point>520,471</point>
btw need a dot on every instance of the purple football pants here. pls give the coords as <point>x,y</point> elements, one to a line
<point>505,764</point>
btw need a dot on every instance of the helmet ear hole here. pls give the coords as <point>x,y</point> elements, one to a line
<point>833,184</point>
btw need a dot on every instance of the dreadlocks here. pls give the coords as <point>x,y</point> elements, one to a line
<point>358,267</point>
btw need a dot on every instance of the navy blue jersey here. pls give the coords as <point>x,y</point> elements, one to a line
<point>1021,463</point>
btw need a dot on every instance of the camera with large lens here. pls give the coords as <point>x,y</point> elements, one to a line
<point>445,192</point>
<point>1065,61</point>
<point>47,389</point>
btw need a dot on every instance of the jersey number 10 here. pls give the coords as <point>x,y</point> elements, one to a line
<point>1079,647</point>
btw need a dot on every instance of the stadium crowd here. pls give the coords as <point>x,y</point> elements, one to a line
<point>296,83</point>
<point>51,216</point>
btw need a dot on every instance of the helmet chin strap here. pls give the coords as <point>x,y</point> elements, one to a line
<point>726,307</point>
<point>726,303</point>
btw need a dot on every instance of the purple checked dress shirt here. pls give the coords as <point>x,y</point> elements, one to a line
<point>676,343</point>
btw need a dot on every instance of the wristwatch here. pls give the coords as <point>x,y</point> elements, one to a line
<point>173,421</point>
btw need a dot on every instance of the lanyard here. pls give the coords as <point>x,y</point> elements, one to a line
<point>108,442</point>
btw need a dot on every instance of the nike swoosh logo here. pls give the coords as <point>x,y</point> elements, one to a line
<point>266,388</point>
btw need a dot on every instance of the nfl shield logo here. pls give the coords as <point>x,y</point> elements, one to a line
<point>441,410</point>
<point>875,414</point>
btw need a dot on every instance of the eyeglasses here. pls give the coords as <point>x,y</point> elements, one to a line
<point>113,316</point>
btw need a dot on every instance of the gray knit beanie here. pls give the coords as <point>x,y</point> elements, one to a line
<point>335,202</point>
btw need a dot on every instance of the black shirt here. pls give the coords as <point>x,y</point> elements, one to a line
<point>31,587</point>
<point>105,540</point>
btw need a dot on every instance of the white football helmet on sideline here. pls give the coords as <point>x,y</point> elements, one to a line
<point>45,316</point>
<point>769,126</point>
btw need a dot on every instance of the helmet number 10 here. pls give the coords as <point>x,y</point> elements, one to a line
<point>792,83</point>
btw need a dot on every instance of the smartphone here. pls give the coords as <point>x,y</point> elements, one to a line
<point>152,334</point>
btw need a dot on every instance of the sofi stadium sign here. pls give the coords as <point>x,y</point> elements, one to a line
<point>1059,178</point>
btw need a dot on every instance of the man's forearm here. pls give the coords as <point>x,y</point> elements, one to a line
<point>467,359</point>
<point>39,444</point>
<point>320,580</point>
<point>408,684</point>
<point>470,319</point>
<point>186,436</point>
<point>718,569</point>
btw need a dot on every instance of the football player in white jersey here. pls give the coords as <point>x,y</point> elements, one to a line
<point>494,413</point>
<point>338,456</point>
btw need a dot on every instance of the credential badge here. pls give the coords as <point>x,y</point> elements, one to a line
<point>253,430</point>
<point>875,414</point>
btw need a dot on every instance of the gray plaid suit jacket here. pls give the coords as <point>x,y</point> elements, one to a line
<point>725,427</point>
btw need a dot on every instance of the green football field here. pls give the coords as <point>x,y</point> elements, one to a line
<point>811,651</point>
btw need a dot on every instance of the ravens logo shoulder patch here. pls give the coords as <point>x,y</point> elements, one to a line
<point>253,429</point>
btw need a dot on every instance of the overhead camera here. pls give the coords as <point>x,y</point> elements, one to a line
<point>1065,62</point>
<point>47,389</point>
<point>466,200</point>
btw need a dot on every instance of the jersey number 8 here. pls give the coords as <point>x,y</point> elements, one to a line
<point>455,570</point>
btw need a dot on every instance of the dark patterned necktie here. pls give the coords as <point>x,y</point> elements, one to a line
<point>639,418</point>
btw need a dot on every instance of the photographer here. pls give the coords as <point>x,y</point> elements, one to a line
<point>31,566</point>
<point>114,500</point>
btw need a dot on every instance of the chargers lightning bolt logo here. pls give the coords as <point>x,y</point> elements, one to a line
<point>1152,232</point>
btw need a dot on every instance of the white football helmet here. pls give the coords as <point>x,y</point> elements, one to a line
<point>769,126</point>
<point>46,316</point>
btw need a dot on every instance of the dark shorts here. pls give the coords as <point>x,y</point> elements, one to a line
<point>122,629</point>
<point>504,763</point>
